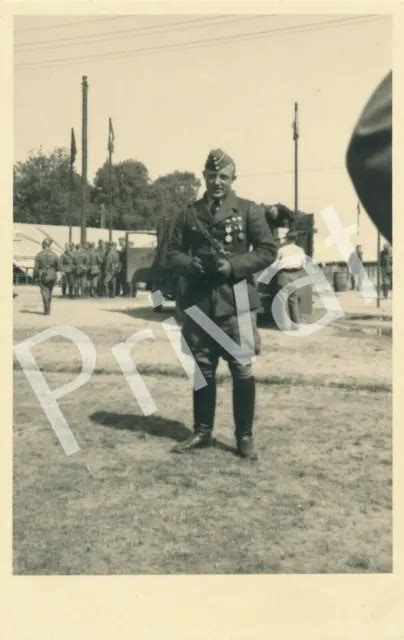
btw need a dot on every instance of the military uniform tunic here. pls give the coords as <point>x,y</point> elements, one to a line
<point>93,270</point>
<point>240,227</point>
<point>45,269</point>
<point>80,258</point>
<point>66,266</point>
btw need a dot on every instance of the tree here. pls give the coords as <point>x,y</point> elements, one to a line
<point>174,191</point>
<point>42,189</point>
<point>132,203</point>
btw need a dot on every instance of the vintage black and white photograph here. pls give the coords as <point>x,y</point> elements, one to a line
<point>202,293</point>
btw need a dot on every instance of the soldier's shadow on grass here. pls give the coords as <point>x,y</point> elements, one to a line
<point>152,425</point>
<point>35,313</point>
<point>146,313</point>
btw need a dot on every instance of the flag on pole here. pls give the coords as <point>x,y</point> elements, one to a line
<point>358,210</point>
<point>111,137</point>
<point>296,124</point>
<point>73,148</point>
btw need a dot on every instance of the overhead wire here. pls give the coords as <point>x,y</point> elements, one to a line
<point>70,24</point>
<point>141,31</point>
<point>207,41</point>
<point>289,171</point>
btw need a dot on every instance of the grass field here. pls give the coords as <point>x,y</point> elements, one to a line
<point>317,501</point>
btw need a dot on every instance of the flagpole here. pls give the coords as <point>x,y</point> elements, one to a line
<point>70,201</point>
<point>110,142</point>
<point>110,192</point>
<point>84,164</point>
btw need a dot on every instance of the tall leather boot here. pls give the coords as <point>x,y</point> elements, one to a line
<point>204,402</point>
<point>243,409</point>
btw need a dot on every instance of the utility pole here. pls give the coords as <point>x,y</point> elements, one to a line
<point>296,138</point>
<point>84,163</point>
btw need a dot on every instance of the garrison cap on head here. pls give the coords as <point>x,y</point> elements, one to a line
<point>46,243</point>
<point>218,159</point>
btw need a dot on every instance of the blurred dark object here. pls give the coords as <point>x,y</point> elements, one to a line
<point>302,225</point>
<point>369,157</point>
<point>279,216</point>
<point>209,259</point>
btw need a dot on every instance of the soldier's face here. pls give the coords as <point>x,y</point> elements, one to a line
<point>218,183</point>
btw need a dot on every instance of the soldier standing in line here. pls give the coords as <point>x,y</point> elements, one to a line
<point>86,283</point>
<point>66,267</point>
<point>121,278</point>
<point>93,270</point>
<point>76,270</point>
<point>110,271</point>
<point>80,264</point>
<point>386,264</point>
<point>210,245</point>
<point>100,251</point>
<point>45,269</point>
<point>116,267</point>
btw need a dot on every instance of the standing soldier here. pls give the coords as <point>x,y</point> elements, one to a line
<point>100,251</point>
<point>110,270</point>
<point>80,269</point>
<point>76,269</point>
<point>355,265</point>
<point>45,270</point>
<point>93,270</point>
<point>121,278</point>
<point>74,274</point>
<point>66,267</point>
<point>115,269</point>
<point>386,264</point>
<point>210,245</point>
<point>86,279</point>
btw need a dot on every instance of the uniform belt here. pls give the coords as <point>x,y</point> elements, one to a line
<point>290,270</point>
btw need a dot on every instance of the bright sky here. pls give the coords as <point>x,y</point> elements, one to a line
<point>171,102</point>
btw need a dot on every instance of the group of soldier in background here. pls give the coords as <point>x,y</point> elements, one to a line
<point>95,271</point>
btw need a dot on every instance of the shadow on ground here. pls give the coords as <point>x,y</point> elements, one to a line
<point>145,313</point>
<point>35,313</point>
<point>153,426</point>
